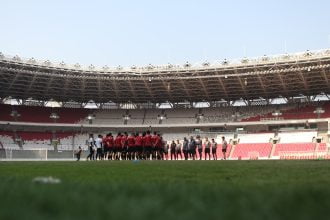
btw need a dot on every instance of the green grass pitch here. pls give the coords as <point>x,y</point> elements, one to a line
<point>166,190</point>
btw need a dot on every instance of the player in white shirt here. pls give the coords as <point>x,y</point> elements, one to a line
<point>91,146</point>
<point>99,143</point>
<point>224,147</point>
<point>214,146</point>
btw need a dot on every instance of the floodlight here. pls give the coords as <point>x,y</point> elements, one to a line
<point>126,117</point>
<point>265,58</point>
<point>14,114</point>
<point>32,60</point>
<point>62,64</point>
<point>187,64</point>
<point>77,66</point>
<point>319,110</point>
<point>206,63</point>
<point>54,116</point>
<point>245,60</point>
<point>16,58</point>
<point>308,53</point>
<point>47,63</point>
<point>90,117</point>
<point>162,117</point>
<point>199,116</point>
<point>277,113</point>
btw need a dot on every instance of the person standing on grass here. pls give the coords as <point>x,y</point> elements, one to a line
<point>124,146</point>
<point>214,146</point>
<point>159,146</point>
<point>224,147</point>
<point>154,139</point>
<point>199,145</point>
<point>78,153</point>
<point>138,146</point>
<point>110,143</point>
<point>192,148</point>
<point>131,147</point>
<point>144,150</point>
<point>207,148</point>
<point>91,146</point>
<point>178,150</point>
<point>173,147</point>
<point>117,144</point>
<point>165,150</point>
<point>99,145</point>
<point>148,145</point>
<point>185,148</point>
<point>105,147</point>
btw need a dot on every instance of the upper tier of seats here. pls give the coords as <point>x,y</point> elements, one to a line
<point>28,136</point>
<point>173,116</point>
<point>298,112</point>
<point>42,114</point>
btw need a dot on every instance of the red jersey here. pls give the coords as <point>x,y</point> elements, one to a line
<point>138,141</point>
<point>123,141</point>
<point>117,141</point>
<point>131,141</point>
<point>110,141</point>
<point>104,142</point>
<point>153,140</point>
<point>158,142</point>
<point>147,140</point>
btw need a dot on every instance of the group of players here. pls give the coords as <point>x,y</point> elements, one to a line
<point>151,147</point>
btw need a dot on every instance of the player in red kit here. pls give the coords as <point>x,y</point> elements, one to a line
<point>153,142</point>
<point>131,147</point>
<point>110,144</point>
<point>105,147</point>
<point>117,148</point>
<point>158,147</point>
<point>148,145</point>
<point>144,151</point>
<point>138,146</point>
<point>124,146</point>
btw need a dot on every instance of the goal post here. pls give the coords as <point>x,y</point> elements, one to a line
<point>24,154</point>
<point>253,155</point>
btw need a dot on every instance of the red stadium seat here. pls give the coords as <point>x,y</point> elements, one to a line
<point>294,148</point>
<point>246,151</point>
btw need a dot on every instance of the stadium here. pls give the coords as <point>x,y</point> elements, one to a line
<point>274,107</point>
<point>273,111</point>
<point>139,110</point>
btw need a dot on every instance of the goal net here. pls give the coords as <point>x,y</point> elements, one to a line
<point>253,155</point>
<point>23,154</point>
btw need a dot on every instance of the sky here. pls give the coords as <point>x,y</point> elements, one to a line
<point>127,33</point>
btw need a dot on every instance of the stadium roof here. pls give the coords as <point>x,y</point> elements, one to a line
<point>285,75</point>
